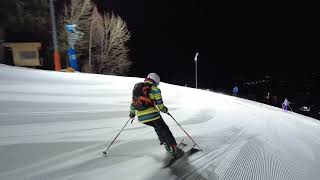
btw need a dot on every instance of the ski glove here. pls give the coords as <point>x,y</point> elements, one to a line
<point>131,115</point>
<point>164,109</point>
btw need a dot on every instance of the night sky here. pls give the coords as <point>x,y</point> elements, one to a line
<point>238,41</point>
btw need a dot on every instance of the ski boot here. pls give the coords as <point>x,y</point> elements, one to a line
<point>167,147</point>
<point>176,152</point>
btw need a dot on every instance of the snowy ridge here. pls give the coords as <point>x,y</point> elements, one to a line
<point>55,125</point>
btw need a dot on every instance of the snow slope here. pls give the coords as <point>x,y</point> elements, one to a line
<point>55,125</point>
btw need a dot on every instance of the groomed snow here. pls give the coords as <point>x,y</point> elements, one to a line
<point>55,125</point>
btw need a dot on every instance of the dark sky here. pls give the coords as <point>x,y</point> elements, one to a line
<point>237,40</point>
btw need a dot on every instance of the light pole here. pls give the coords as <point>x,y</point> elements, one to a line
<point>196,64</point>
<point>56,56</point>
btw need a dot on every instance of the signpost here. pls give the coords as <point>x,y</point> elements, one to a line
<point>73,37</point>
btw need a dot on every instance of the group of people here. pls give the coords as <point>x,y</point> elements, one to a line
<point>285,105</point>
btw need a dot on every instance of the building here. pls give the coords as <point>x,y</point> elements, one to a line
<point>25,54</point>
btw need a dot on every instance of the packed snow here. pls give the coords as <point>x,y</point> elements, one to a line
<point>55,125</point>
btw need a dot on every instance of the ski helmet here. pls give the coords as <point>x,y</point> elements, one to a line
<point>154,77</point>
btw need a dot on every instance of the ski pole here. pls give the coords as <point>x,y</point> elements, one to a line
<point>105,152</point>
<point>184,131</point>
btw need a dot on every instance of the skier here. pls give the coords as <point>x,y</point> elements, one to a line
<point>146,103</point>
<point>235,91</point>
<point>285,104</point>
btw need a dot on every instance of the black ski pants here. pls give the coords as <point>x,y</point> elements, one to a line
<point>163,131</point>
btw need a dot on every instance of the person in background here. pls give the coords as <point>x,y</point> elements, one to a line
<point>235,91</point>
<point>285,104</point>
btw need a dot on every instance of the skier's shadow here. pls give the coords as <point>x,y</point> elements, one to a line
<point>182,169</point>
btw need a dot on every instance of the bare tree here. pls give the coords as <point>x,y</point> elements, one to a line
<point>110,35</point>
<point>104,40</point>
<point>77,12</point>
<point>93,24</point>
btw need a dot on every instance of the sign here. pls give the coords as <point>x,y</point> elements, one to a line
<point>73,37</point>
<point>72,55</point>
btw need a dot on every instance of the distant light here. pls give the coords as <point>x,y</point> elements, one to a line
<point>305,108</point>
<point>196,57</point>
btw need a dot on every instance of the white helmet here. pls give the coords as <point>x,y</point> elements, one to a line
<point>154,77</point>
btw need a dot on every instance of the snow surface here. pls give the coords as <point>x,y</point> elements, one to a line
<point>55,125</point>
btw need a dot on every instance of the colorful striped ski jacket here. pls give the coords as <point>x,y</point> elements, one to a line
<point>151,113</point>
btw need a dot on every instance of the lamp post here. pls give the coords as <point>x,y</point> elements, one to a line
<point>56,56</point>
<point>196,64</point>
